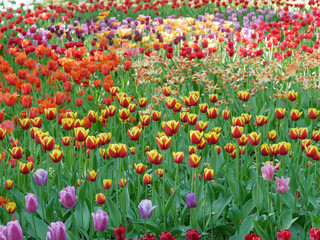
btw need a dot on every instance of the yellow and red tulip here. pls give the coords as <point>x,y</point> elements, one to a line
<point>313,113</point>
<point>100,199</point>
<point>272,135</point>
<point>208,174</point>
<point>264,149</point>
<point>163,142</point>
<point>202,126</point>
<point>139,168</point>
<point>92,142</point>
<point>284,148</point>
<point>50,113</point>
<point>92,176</point>
<point>104,138</point>
<point>171,127</point>
<point>212,137</point>
<point>236,131</point>
<point>194,160</point>
<point>155,115</point>
<point>16,152</point>
<point>295,114</point>
<point>212,112</point>
<point>195,136</point>
<point>56,155</point>
<point>226,114</point>
<point>292,95</point>
<point>147,179</point>
<point>81,134</point>
<point>254,138</point>
<point>154,157</point>
<point>178,157</point>
<point>118,150</point>
<point>107,183</point>
<point>213,98</point>
<point>192,118</point>
<point>242,141</point>
<point>280,112</point>
<point>9,184</point>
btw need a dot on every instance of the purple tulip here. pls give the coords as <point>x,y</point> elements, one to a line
<point>282,184</point>
<point>3,232</point>
<point>267,171</point>
<point>40,177</point>
<point>191,200</point>
<point>100,220</point>
<point>31,203</point>
<point>68,197</point>
<point>57,231</point>
<point>146,208</point>
<point>14,230</point>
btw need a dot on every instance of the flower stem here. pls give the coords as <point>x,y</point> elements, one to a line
<point>34,226</point>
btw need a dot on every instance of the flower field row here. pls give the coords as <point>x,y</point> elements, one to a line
<point>195,120</point>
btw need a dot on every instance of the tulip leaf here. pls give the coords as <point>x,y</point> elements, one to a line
<point>315,221</point>
<point>41,226</point>
<point>82,214</point>
<point>170,201</point>
<point>114,212</point>
<point>71,235</point>
<point>219,205</point>
<point>149,224</point>
<point>261,231</point>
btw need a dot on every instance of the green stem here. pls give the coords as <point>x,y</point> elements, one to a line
<point>163,195</point>
<point>281,218</point>
<point>117,186</point>
<point>34,226</point>
<point>204,208</point>
<point>257,179</point>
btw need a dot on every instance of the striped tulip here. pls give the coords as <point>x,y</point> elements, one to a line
<point>208,174</point>
<point>139,168</point>
<point>56,155</point>
<point>194,160</point>
<point>236,131</point>
<point>92,176</point>
<point>280,112</point>
<point>118,150</point>
<point>254,138</point>
<point>92,142</point>
<point>212,137</point>
<point>295,114</point>
<point>107,183</point>
<point>178,157</point>
<point>195,136</point>
<point>163,142</point>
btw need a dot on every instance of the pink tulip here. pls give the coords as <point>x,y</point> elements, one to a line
<point>282,184</point>
<point>267,171</point>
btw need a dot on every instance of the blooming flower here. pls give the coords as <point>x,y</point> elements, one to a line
<point>146,208</point>
<point>282,184</point>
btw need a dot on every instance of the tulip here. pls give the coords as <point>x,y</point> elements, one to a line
<point>92,176</point>
<point>145,120</point>
<point>201,126</point>
<point>107,183</point>
<point>229,148</point>
<point>212,137</point>
<point>147,179</point>
<point>120,233</point>
<point>163,142</point>
<point>303,133</point>
<point>316,136</point>
<point>139,168</point>
<point>192,234</point>
<point>295,114</point>
<point>264,149</point>
<point>254,138</point>
<point>8,185</point>
<point>272,135</point>
<point>208,174</point>
<point>3,232</point>
<point>56,156</point>
<point>123,182</point>
<point>167,91</point>
<point>195,136</point>
<point>242,141</point>
<point>280,112</point>
<point>292,95</point>
<point>11,207</point>
<point>314,234</point>
<point>14,230</point>
<point>282,184</point>
<point>118,150</point>
<point>31,203</point>
<point>236,131</point>
<point>213,98</point>
<point>243,95</point>
<point>170,102</point>
<point>284,148</point>
<point>167,236</point>
<point>16,152</point>
<point>155,115</point>
<point>191,200</point>
<point>212,112</point>
<point>47,143</point>
<point>238,121</point>
<point>100,198</point>
<point>146,208</point>
<point>51,113</point>
<point>194,160</point>
<point>178,157</point>
<point>100,220</point>
<point>184,117</point>
<point>267,171</point>
<point>203,107</point>
<point>159,172</point>
<point>154,157</point>
<point>81,134</point>
<point>57,231</point>
<point>284,234</point>
<point>247,118</point>
<point>134,133</point>
<point>313,113</point>
<point>40,177</point>
<point>226,114</point>
<point>24,123</point>
<point>192,118</point>
<point>252,236</point>
<point>68,197</point>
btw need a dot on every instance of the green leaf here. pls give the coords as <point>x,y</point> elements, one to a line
<point>315,221</point>
<point>149,224</point>
<point>114,212</point>
<point>170,201</point>
<point>260,231</point>
<point>219,205</point>
<point>82,215</point>
<point>41,226</point>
